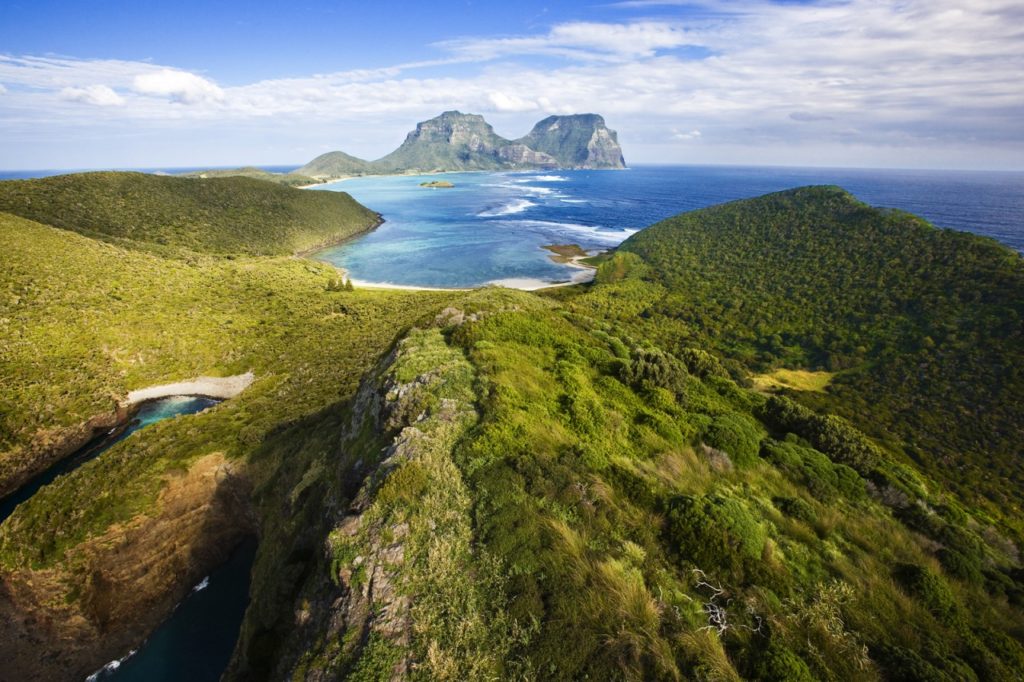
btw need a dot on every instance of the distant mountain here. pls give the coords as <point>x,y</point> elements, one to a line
<point>334,164</point>
<point>455,141</point>
<point>578,141</point>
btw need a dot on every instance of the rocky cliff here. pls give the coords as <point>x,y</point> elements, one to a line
<point>64,622</point>
<point>455,141</point>
<point>578,141</point>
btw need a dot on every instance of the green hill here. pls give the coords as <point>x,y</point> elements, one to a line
<point>228,215</point>
<point>287,179</point>
<point>335,165</point>
<point>599,508</point>
<point>921,325</point>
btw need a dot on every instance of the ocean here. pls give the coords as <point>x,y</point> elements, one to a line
<point>491,227</point>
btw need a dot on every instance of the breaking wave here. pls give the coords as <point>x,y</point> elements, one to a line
<point>514,206</point>
<point>109,668</point>
<point>603,235</point>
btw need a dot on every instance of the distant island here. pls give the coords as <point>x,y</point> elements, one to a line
<point>438,184</point>
<point>455,141</point>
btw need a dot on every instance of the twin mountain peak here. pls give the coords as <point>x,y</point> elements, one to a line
<point>455,141</point>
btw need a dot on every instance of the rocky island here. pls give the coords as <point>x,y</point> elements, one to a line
<point>455,141</point>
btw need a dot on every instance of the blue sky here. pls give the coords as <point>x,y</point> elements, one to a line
<point>914,83</point>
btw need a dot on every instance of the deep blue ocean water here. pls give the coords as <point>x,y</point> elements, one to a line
<point>196,642</point>
<point>491,226</point>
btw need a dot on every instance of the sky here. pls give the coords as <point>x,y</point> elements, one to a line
<point>842,83</point>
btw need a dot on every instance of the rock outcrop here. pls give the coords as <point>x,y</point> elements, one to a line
<point>397,588</point>
<point>455,141</point>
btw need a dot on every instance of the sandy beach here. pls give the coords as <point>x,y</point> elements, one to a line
<point>213,387</point>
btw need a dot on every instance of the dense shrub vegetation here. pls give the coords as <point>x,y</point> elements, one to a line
<point>923,327</point>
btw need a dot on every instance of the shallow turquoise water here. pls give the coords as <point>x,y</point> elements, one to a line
<point>490,227</point>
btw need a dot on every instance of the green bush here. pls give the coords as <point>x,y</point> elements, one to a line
<point>795,508</point>
<point>777,663</point>
<point>702,364</point>
<point>960,566</point>
<point>714,531</point>
<point>929,588</point>
<point>738,435</point>
<point>810,468</point>
<point>835,437</point>
<point>651,367</point>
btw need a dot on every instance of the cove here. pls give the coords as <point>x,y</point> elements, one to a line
<point>149,413</point>
<point>196,642</point>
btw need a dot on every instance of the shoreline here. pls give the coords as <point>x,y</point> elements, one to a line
<point>585,274</point>
<point>308,253</point>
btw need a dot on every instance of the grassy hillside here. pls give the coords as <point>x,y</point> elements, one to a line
<point>287,179</point>
<point>83,321</point>
<point>922,327</point>
<point>624,514</point>
<point>230,215</point>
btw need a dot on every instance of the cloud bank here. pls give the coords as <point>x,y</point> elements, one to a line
<point>932,82</point>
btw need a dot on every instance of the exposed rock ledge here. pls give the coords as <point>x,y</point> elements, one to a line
<point>213,387</point>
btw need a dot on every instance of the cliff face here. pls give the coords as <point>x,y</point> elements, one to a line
<point>578,141</point>
<point>455,141</point>
<point>64,623</point>
<point>20,465</point>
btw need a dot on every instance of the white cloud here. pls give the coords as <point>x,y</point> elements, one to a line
<point>98,95</point>
<point>589,41</point>
<point>504,102</point>
<point>914,74</point>
<point>2,89</point>
<point>180,86</point>
<point>809,116</point>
